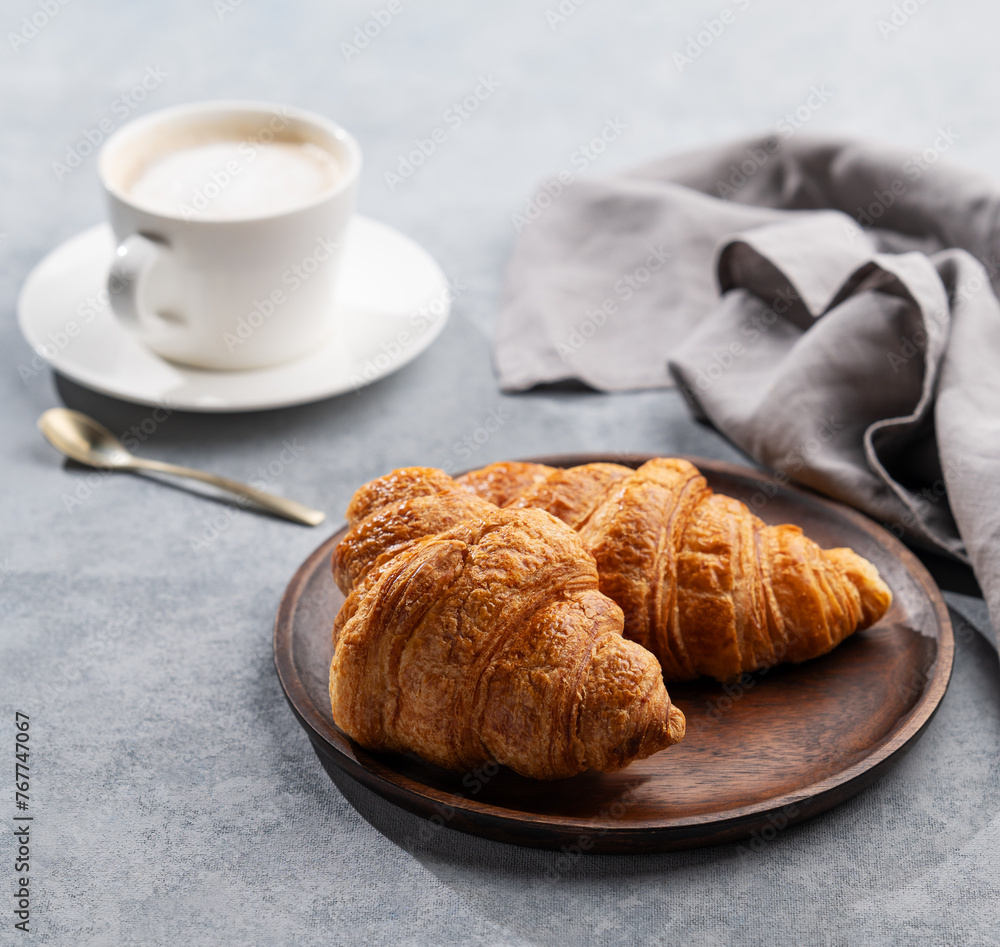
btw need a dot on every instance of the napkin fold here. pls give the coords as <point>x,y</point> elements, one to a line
<point>829,307</point>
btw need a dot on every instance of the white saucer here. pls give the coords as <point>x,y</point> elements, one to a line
<point>392,301</point>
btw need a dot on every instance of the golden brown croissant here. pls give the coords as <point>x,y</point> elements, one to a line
<point>704,584</point>
<point>473,633</point>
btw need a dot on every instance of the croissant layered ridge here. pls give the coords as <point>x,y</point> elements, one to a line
<point>472,633</point>
<point>704,583</point>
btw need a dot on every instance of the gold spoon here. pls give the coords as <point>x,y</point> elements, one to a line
<point>87,442</point>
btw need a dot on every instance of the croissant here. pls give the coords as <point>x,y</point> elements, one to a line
<point>473,634</point>
<point>704,584</point>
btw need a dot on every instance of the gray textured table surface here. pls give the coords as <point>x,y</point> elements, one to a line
<point>177,800</point>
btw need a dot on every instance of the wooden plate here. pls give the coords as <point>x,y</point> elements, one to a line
<point>782,746</point>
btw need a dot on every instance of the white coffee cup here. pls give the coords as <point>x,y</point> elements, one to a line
<point>236,272</point>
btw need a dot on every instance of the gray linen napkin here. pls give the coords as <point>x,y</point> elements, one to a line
<point>827,306</point>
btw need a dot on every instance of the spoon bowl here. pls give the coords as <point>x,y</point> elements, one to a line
<point>84,440</point>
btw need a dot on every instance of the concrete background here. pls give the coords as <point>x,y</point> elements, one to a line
<point>177,800</point>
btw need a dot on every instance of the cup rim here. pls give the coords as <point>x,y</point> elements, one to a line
<point>139,126</point>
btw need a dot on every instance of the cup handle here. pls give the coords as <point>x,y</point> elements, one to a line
<point>135,257</point>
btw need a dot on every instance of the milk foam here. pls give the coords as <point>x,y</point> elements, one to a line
<point>234,179</point>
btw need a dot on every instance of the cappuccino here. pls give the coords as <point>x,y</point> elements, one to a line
<point>234,180</point>
<point>226,213</point>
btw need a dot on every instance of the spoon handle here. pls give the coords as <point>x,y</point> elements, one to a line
<point>267,501</point>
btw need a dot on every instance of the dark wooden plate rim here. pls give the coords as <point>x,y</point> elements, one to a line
<point>423,799</point>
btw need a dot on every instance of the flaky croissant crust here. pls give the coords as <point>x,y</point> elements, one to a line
<point>472,633</point>
<point>704,584</point>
